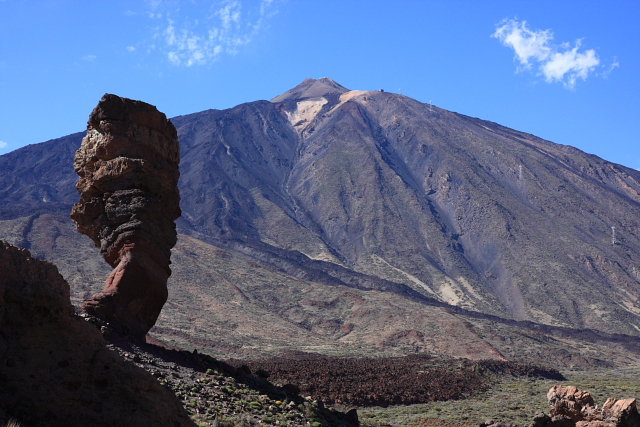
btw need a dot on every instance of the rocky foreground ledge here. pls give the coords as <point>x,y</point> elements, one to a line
<point>62,369</point>
<point>570,407</point>
<point>56,368</point>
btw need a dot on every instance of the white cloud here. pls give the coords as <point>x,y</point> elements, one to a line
<point>556,63</point>
<point>131,48</point>
<point>230,14</point>
<point>265,8</point>
<point>3,145</point>
<point>526,43</point>
<point>89,58</point>
<point>570,65</point>
<point>153,6</point>
<point>174,58</point>
<point>219,29</point>
<point>613,66</point>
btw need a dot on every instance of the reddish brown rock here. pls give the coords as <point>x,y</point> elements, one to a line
<point>128,167</point>
<point>596,423</point>
<point>56,369</point>
<point>570,407</point>
<point>578,407</point>
<point>570,402</point>
<point>623,412</point>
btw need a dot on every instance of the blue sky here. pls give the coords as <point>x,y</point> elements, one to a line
<point>566,71</point>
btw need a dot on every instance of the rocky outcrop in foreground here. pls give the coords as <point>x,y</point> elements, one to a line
<point>128,167</point>
<point>567,404</point>
<point>214,390</point>
<point>56,369</point>
<point>570,407</point>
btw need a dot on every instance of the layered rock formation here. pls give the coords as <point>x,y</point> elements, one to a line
<point>570,402</point>
<point>55,368</point>
<point>569,406</point>
<point>128,167</point>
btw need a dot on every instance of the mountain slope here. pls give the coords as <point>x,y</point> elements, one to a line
<point>233,306</point>
<point>459,209</point>
<point>407,206</point>
<point>39,177</point>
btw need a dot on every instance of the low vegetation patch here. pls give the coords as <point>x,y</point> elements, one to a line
<point>510,399</point>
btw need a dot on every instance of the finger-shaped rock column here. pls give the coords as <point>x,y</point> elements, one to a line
<point>128,167</point>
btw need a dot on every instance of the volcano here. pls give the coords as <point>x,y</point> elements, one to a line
<point>330,216</point>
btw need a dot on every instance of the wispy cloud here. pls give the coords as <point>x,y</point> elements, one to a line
<point>3,145</point>
<point>535,49</point>
<point>217,30</point>
<point>89,58</point>
<point>612,67</point>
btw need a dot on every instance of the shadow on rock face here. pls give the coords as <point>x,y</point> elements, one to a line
<point>55,368</point>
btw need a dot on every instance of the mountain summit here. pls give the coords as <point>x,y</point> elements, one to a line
<point>311,88</point>
<point>369,217</point>
<point>463,206</point>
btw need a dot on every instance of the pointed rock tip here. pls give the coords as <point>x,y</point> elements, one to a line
<point>311,88</point>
